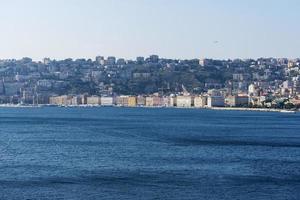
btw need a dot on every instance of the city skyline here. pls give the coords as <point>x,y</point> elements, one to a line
<point>266,82</point>
<point>172,29</point>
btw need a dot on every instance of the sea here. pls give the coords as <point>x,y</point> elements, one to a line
<point>148,153</point>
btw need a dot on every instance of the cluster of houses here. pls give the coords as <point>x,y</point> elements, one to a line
<point>213,98</point>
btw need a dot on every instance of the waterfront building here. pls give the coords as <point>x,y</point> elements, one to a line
<point>157,101</point>
<point>42,99</point>
<point>184,101</point>
<point>107,101</point>
<point>166,101</point>
<point>215,101</point>
<point>237,100</point>
<point>76,100</point>
<point>84,99</point>
<point>27,97</point>
<point>93,100</point>
<point>242,100</point>
<point>172,100</point>
<point>122,101</point>
<point>132,101</point>
<point>141,101</point>
<point>61,100</point>
<point>200,101</point>
<point>149,101</point>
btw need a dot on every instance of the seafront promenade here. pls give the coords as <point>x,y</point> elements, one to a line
<point>255,109</point>
<point>153,107</point>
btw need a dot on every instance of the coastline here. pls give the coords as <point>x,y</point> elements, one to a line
<point>255,109</point>
<point>18,106</point>
<point>207,108</point>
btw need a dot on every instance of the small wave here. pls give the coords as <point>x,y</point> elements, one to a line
<point>226,142</point>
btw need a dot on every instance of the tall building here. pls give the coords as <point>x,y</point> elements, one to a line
<point>121,61</point>
<point>100,60</point>
<point>46,61</point>
<point>154,58</point>
<point>140,60</point>
<point>203,62</point>
<point>111,60</point>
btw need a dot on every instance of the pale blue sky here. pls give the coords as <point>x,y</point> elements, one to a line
<point>130,28</point>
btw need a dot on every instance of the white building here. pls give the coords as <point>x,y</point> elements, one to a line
<point>107,101</point>
<point>203,62</point>
<point>251,89</point>
<point>76,100</point>
<point>287,84</point>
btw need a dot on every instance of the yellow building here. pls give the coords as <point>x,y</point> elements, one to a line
<point>132,101</point>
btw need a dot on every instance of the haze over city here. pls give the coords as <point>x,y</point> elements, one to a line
<point>169,28</point>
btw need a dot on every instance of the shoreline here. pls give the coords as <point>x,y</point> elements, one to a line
<point>206,108</point>
<point>254,109</point>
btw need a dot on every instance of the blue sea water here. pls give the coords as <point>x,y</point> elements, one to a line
<point>139,153</point>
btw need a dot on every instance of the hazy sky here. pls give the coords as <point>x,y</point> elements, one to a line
<point>129,28</point>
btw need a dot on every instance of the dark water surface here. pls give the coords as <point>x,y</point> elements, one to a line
<point>122,153</point>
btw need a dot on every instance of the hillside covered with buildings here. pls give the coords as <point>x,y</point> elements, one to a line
<point>152,81</point>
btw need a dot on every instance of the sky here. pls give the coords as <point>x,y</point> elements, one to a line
<point>181,29</point>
